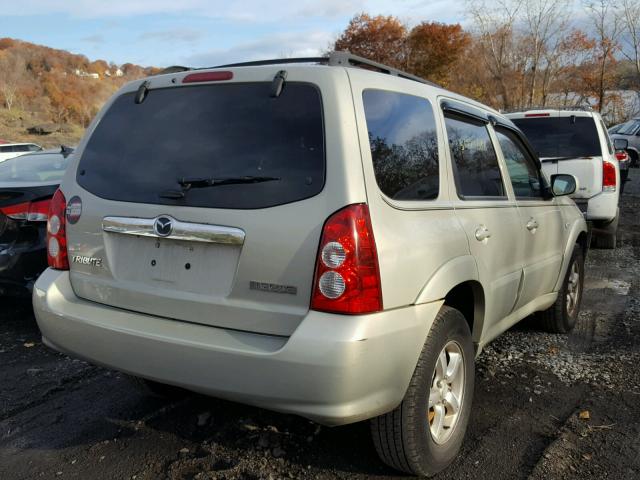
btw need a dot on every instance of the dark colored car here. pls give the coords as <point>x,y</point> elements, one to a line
<point>27,184</point>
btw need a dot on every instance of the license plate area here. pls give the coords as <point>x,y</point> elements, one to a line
<point>183,266</point>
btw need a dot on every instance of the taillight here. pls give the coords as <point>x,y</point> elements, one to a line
<point>622,156</point>
<point>56,233</point>
<point>30,211</point>
<point>347,276</point>
<point>608,176</point>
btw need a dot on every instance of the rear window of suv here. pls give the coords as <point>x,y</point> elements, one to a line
<point>140,152</point>
<point>557,137</point>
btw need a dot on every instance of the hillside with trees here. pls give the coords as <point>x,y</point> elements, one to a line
<point>518,53</point>
<point>49,96</point>
<point>512,54</point>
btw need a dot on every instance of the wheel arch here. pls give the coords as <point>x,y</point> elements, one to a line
<point>457,283</point>
<point>579,235</point>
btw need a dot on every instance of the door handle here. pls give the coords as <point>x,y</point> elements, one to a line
<point>532,225</point>
<point>482,233</point>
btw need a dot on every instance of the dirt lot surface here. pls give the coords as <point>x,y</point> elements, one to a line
<point>546,406</point>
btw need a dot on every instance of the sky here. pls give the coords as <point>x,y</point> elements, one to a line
<point>200,32</point>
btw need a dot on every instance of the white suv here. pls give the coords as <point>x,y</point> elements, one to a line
<point>575,141</point>
<point>12,150</point>
<point>329,241</point>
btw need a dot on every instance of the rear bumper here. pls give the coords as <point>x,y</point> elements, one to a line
<point>334,369</point>
<point>603,206</point>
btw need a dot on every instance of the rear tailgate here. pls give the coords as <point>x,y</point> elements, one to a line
<point>239,254</point>
<point>566,143</point>
<point>588,171</point>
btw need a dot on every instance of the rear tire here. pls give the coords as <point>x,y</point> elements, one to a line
<point>414,438</point>
<point>607,237</point>
<point>561,317</point>
<point>624,175</point>
<point>605,241</point>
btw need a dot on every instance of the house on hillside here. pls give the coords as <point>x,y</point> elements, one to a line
<point>115,73</point>
<point>83,74</point>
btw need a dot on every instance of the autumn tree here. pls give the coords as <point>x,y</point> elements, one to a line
<point>495,25</point>
<point>12,73</point>
<point>380,38</point>
<point>630,21</point>
<point>607,28</point>
<point>433,49</point>
<point>429,50</point>
<point>544,22</point>
<point>566,69</point>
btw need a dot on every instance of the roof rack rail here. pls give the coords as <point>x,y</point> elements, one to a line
<point>584,108</point>
<point>336,59</point>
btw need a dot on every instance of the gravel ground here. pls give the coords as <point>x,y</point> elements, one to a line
<point>545,406</point>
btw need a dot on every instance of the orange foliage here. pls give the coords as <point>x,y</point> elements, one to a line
<point>429,50</point>
<point>51,82</point>
<point>380,38</point>
<point>434,48</point>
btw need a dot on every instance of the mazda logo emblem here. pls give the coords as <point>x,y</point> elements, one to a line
<point>163,226</point>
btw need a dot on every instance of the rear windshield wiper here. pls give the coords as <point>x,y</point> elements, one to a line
<point>555,159</point>
<point>200,182</point>
<point>204,182</point>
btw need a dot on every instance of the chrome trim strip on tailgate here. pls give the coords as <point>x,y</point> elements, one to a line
<point>191,232</point>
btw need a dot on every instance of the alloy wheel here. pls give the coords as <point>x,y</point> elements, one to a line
<point>447,392</point>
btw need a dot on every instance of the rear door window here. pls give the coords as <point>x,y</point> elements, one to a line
<point>475,163</point>
<point>258,151</point>
<point>404,144</point>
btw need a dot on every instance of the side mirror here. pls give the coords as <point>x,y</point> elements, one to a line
<point>620,143</point>
<point>563,184</point>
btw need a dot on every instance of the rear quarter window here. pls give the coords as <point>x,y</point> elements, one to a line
<point>139,152</point>
<point>404,144</point>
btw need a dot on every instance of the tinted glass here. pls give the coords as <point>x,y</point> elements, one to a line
<point>42,167</point>
<point>559,137</point>
<point>6,149</point>
<point>404,144</point>
<point>477,173</point>
<point>138,152</point>
<point>629,128</point>
<point>525,177</point>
